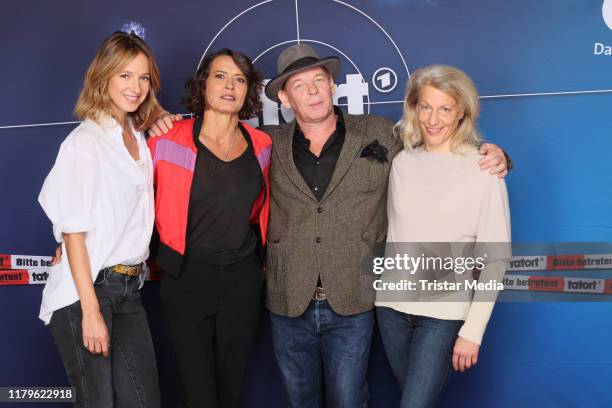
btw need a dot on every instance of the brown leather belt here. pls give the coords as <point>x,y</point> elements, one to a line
<point>127,270</point>
<point>319,294</point>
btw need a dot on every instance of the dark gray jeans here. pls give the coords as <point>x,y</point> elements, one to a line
<point>128,376</point>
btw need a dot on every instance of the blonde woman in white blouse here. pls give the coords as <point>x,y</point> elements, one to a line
<point>437,193</point>
<point>99,197</point>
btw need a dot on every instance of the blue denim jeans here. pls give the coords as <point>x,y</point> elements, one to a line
<point>321,345</point>
<point>419,350</point>
<point>128,377</point>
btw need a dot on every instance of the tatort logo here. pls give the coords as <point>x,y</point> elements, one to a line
<point>39,277</point>
<point>372,63</point>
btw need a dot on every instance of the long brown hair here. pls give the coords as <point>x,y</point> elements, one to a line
<point>116,51</point>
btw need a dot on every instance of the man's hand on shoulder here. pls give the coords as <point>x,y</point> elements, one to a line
<point>494,160</point>
<point>163,124</point>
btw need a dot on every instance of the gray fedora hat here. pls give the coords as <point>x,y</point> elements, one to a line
<point>297,58</point>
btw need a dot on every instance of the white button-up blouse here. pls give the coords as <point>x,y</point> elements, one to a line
<point>96,187</point>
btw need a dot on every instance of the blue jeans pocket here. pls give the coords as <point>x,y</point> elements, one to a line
<point>101,278</point>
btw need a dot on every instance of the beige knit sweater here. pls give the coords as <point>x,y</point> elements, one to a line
<point>445,197</point>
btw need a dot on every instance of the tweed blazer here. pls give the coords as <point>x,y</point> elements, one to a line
<point>333,238</point>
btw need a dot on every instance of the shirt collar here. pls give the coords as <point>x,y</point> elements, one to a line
<point>340,126</point>
<point>112,128</point>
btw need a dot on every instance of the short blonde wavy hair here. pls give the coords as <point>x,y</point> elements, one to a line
<point>116,51</point>
<point>453,82</point>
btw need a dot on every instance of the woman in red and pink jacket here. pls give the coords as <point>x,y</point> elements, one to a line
<point>212,206</point>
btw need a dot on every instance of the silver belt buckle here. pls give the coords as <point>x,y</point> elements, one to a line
<point>319,294</point>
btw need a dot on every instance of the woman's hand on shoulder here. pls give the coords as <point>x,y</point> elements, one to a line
<point>163,124</point>
<point>465,354</point>
<point>494,160</point>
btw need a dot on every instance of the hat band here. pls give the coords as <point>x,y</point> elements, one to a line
<point>299,63</point>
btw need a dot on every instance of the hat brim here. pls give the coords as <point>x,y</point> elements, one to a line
<point>331,64</point>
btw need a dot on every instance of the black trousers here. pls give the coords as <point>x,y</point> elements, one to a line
<point>210,314</point>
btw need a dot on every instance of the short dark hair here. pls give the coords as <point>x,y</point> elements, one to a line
<point>196,86</point>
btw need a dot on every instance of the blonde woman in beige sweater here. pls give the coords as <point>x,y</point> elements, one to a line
<point>437,193</point>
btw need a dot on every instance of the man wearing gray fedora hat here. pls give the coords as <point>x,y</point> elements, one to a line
<point>328,182</point>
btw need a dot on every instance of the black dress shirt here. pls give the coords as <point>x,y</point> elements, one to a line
<point>318,171</point>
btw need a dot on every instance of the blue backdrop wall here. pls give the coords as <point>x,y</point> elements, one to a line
<point>544,70</point>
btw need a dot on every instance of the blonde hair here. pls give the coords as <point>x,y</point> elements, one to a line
<point>453,82</point>
<point>116,51</point>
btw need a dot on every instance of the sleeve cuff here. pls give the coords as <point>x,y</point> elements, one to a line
<point>471,334</point>
<point>71,226</point>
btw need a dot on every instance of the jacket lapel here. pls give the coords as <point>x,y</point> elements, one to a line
<point>283,149</point>
<point>351,148</point>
